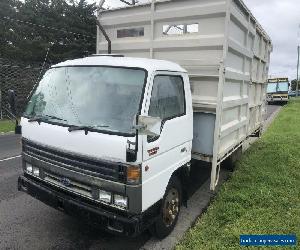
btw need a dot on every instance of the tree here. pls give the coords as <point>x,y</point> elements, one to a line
<point>8,34</point>
<point>66,28</point>
<point>294,84</point>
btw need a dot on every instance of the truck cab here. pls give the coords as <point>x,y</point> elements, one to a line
<point>108,137</point>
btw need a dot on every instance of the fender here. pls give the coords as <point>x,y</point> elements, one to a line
<point>183,173</point>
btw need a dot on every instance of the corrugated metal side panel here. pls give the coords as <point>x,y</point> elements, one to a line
<point>246,65</point>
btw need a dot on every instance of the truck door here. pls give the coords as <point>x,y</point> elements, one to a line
<point>162,155</point>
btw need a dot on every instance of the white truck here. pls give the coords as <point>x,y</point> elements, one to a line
<point>111,137</point>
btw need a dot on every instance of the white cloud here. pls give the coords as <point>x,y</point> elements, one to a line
<point>281,20</point>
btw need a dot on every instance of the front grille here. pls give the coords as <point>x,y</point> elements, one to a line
<point>102,169</point>
<point>72,185</point>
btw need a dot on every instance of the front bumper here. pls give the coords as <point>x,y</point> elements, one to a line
<point>278,99</point>
<point>80,208</point>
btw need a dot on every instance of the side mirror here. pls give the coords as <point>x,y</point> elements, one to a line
<point>12,101</point>
<point>148,125</point>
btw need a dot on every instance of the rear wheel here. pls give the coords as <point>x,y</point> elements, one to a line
<point>169,211</point>
<point>230,162</point>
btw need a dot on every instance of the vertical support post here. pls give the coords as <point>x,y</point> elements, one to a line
<point>101,28</point>
<point>97,37</point>
<point>297,80</point>
<point>0,99</point>
<point>215,168</point>
<point>99,8</point>
<point>152,28</point>
<point>250,74</point>
<point>185,30</point>
<point>1,76</point>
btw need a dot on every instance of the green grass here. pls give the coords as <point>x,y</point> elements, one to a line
<point>6,126</point>
<point>263,195</point>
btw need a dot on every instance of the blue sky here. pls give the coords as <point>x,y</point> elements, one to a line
<point>281,20</point>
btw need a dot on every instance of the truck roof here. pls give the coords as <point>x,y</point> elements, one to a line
<point>130,62</point>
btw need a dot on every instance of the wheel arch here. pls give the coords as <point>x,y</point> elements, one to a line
<point>183,174</point>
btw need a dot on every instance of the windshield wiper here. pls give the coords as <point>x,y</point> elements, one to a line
<point>40,118</point>
<point>76,128</point>
<point>85,128</point>
<point>55,117</point>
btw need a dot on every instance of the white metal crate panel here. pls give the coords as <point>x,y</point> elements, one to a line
<point>208,33</point>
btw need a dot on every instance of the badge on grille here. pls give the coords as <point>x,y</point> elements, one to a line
<point>66,182</point>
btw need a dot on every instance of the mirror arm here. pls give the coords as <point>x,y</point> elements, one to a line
<point>139,127</point>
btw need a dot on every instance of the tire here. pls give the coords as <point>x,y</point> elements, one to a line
<point>230,162</point>
<point>166,222</point>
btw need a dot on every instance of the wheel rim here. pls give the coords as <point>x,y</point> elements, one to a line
<point>171,207</point>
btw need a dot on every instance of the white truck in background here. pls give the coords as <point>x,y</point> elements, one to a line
<point>111,138</point>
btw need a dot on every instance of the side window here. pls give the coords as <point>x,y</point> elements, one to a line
<point>167,100</point>
<point>134,32</point>
<point>180,29</point>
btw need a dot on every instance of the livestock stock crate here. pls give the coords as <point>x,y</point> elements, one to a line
<point>225,51</point>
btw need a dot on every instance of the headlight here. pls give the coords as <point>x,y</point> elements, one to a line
<point>120,201</point>
<point>36,171</point>
<point>28,167</point>
<point>105,196</point>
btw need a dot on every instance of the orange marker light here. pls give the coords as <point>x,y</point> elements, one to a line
<point>133,174</point>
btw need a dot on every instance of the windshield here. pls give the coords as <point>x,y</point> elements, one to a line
<point>278,87</point>
<point>283,87</point>
<point>272,87</point>
<point>104,98</point>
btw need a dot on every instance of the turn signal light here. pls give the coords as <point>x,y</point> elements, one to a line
<point>133,174</point>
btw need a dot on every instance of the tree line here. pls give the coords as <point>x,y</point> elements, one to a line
<point>63,29</point>
<point>294,85</point>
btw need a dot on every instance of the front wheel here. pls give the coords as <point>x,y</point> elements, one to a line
<point>169,211</point>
